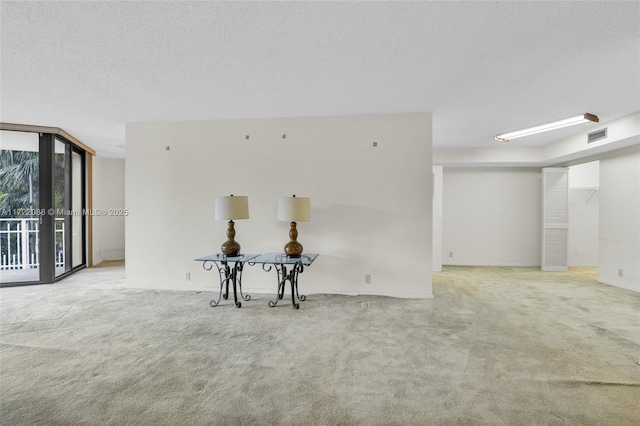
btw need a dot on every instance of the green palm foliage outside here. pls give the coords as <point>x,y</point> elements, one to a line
<point>19,183</point>
<point>19,198</point>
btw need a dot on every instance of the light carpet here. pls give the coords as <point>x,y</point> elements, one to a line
<point>495,346</point>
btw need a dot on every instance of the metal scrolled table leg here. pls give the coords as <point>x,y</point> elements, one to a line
<point>293,294</point>
<point>234,279</point>
<point>282,278</point>
<point>214,303</point>
<point>240,267</point>
<point>227,275</point>
<point>299,268</point>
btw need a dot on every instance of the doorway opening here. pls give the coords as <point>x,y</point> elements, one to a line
<point>584,217</point>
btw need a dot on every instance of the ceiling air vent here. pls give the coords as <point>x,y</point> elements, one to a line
<point>597,135</point>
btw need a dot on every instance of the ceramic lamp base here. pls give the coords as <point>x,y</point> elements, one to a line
<point>230,247</point>
<point>293,248</point>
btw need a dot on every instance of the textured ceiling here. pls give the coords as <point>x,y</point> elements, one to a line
<point>480,67</point>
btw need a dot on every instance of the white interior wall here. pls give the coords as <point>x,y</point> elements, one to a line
<point>583,227</point>
<point>491,216</point>
<point>619,233</point>
<point>584,206</point>
<point>108,196</point>
<point>585,175</point>
<point>437,218</point>
<point>371,207</point>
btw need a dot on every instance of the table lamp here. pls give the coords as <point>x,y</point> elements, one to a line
<point>293,209</point>
<point>230,208</point>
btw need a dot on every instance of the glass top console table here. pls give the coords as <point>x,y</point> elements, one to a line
<point>287,269</point>
<point>228,274</point>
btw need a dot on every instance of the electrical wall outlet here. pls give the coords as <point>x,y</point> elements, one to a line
<point>367,278</point>
<point>450,254</point>
<point>621,273</point>
<point>188,276</point>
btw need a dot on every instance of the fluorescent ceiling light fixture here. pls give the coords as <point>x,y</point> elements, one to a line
<point>585,118</point>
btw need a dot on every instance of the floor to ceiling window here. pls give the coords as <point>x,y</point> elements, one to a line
<point>43,207</point>
<point>60,203</point>
<point>78,251</point>
<point>69,207</point>
<point>19,205</point>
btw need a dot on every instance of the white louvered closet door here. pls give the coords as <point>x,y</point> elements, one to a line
<point>555,214</point>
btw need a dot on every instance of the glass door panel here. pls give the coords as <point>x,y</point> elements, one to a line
<point>60,202</point>
<point>42,207</point>
<point>77,203</point>
<point>19,207</point>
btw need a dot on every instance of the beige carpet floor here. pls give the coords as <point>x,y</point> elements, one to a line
<point>497,346</point>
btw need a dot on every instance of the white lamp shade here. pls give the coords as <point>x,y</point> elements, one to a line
<point>231,207</point>
<point>294,209</point>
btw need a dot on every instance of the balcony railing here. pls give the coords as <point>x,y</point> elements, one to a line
<point>19,243</point>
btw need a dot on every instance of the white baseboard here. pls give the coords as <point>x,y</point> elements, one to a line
<point>499,264</point>
<point>400,295</point>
